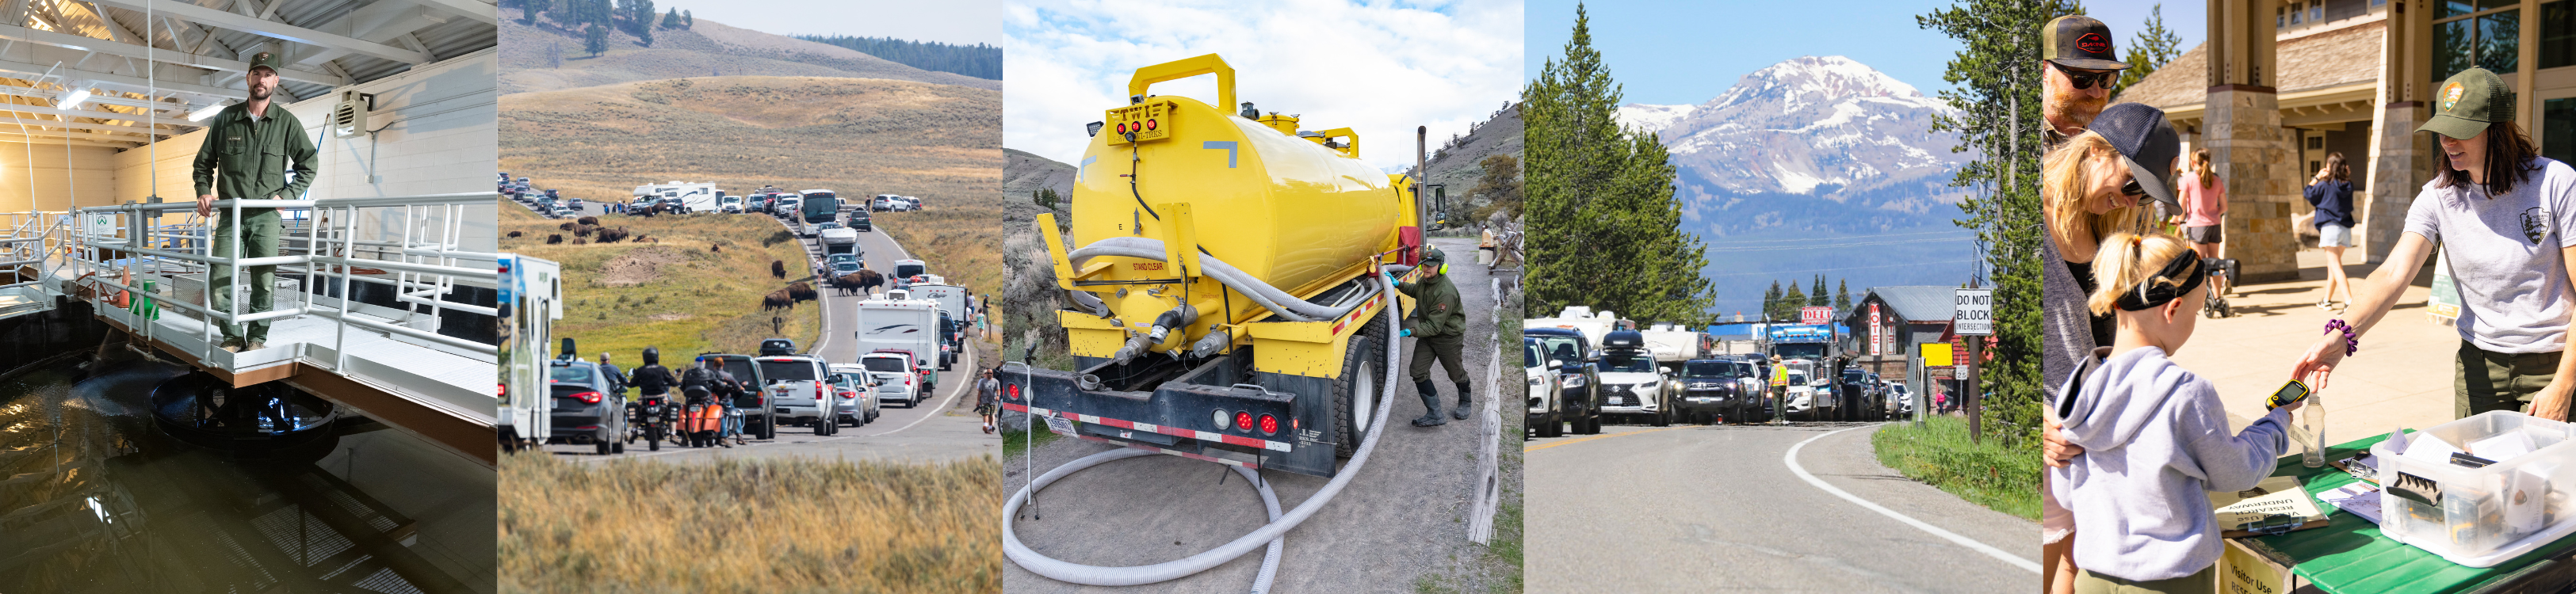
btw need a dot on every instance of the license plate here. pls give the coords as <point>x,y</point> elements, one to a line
<point>1060,425</point>
<point>782,411</point>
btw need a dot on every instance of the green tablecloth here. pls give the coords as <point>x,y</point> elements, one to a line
<point>2349,556</point>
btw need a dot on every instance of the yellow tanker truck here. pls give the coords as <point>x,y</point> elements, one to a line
<point>1224,279</point>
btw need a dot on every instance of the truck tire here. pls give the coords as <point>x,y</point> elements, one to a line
<point>1356,392</point>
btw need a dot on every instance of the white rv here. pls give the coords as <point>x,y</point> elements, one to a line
<point>897,323</point>
<point>531,298</point>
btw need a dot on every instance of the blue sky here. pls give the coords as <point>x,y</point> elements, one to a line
<point>962,22</point>
<point>2188,19</point>
<point>1380,67</point>
<point>1689,52</point>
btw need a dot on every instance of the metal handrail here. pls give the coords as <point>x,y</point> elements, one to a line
<point>424,260</point>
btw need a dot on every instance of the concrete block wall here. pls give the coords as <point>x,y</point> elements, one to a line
<point>64,178</point>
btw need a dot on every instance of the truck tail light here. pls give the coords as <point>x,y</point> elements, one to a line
<point>1269,425</point>
<point>1243,420</point>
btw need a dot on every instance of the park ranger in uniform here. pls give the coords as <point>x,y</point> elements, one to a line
<point>1441,324</point>
<point>250,148</point>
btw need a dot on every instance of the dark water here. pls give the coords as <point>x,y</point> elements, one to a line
<point>94,497</point>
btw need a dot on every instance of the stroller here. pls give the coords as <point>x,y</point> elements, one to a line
<point>2215,305</point>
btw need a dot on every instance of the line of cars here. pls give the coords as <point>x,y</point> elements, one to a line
<point>1584,368</point>
<point>546,203</point>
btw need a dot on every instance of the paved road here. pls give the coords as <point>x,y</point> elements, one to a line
<point>1403,517</point>
<point>942,428</point>
<point>1700,508</point>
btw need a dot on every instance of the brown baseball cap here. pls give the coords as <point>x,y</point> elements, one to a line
<point>2078,41</point>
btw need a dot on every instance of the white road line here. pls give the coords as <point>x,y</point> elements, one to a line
<point>1791,459</point>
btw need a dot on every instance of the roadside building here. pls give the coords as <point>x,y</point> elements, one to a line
<point>1891,321</point>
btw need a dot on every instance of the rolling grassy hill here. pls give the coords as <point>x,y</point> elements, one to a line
<point>674,293</point>
<point>707,49</point>
<point>861,137</point>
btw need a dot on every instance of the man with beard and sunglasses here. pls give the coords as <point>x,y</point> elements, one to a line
<point>250,149</point>
<point>2077,65</point>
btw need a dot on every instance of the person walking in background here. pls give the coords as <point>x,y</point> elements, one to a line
<point>250,151</point>
<point>2330,191</point>
<point>988,395</point>
<point>616,377</point>
<point>2204,209</point>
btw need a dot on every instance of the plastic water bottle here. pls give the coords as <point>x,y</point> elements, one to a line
<point>2315,411</point>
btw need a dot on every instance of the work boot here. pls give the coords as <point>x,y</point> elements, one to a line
<point>1463,402</point>
<point>1430,405</point>
<point>230,345</point>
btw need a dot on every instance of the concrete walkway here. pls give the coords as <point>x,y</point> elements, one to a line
<point>2401,377</point>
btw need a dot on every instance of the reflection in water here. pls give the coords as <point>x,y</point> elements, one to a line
<point>95,498</point>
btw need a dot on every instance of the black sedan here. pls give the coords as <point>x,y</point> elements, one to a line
<point>589,408</point>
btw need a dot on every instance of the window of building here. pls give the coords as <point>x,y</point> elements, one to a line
<point>2558,129</point>
<point>2558,34</point>
<point>2316,10</point>
<point>2470,33</point>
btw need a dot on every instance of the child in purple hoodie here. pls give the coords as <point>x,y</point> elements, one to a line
<point>2154,435</point>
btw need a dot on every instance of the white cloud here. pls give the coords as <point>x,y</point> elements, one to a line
<point>1380,67</point>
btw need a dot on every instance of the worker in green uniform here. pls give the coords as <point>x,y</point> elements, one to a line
<point>1441,324</point>
<point>250,148</point>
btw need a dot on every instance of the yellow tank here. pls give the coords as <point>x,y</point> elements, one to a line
<point>1284,209</point>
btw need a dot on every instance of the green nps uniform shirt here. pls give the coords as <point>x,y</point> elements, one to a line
<point>243,159</point>
<point>1436,311</point>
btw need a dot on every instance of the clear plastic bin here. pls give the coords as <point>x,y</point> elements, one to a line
<point>2480,516</point>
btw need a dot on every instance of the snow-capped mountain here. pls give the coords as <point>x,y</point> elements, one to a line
<point>1822,143</point>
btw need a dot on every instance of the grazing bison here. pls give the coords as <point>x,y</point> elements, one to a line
<point>778,268</point>
<point>554,238</point>
<point>778,299</point>
<point>567,226</point>
<point>607,235</point>
<point>587,220</point>
<point>715,249</point>
<point>802,291</point>
<point>514,234</point>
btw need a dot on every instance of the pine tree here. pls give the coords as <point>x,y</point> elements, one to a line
<point>1604,227</point>
<point>528,10</point>
<point>687,20</point>
<point>1842,296</point>
<point>1790,303</point>
<point>595,39</point>
<point>1771,301</point>
<point>1818,297</point>
<point>1996,84</point>
<point>671,20</point>
<point>644,35</point>
<point>2155,46</point>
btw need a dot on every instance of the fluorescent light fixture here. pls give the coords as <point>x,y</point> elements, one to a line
<point>208,112</point>
<point>74,98</point>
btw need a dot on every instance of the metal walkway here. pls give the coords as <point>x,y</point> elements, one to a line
<point>389,363</point>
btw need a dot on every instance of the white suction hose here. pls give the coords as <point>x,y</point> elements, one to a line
<point>1272,533</point>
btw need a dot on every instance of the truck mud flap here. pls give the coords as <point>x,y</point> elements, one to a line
<point>1181,418</point>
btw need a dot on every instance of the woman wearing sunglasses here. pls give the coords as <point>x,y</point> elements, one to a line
<point>2090,187</point>
<point>2502,212</point>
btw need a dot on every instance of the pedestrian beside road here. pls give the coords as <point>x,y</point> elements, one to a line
<point>250,151</point>
<point>2500,209</point>
<point>988,396</point>
<point>1440,323</point>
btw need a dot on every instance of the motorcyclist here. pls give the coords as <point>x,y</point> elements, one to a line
<point>729,392</point>
<point>698,386</point>
<point>616,377</point>
<point>654,382</point>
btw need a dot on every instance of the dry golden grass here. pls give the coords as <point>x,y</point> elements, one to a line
<point>700,301</point>
<point>860,137</point>
<point>767,526</point>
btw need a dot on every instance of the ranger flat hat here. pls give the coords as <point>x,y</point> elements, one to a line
<point>264,60</point>
<point>2078,41</point>
<point>2469,102</point>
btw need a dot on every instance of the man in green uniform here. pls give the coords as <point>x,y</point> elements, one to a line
<point>249,149</point>
<point>1441,324</point>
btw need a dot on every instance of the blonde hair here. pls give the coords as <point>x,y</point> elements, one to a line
<point>2200,165</point>
<point>2128,259</point>
<point>2062,189</point>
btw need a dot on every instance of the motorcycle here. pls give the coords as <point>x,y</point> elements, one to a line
<point>703,425</point>
<point>654,415</point>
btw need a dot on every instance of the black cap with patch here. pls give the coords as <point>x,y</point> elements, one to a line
<point>2078,41</point>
